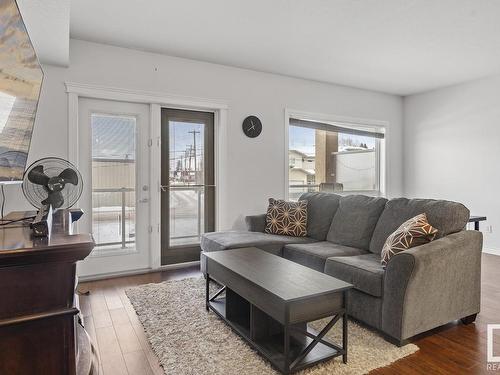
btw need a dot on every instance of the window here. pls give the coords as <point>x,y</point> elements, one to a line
<point>113,181</point>
<point>334,157</point>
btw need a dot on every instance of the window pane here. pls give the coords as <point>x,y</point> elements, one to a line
<point>329,161</point>
<point>113,181</point>
<point>356,163</point>
<point>186,215</point>
<point>186,154</point>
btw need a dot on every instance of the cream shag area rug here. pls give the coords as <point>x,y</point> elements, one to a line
<point>188,340</point>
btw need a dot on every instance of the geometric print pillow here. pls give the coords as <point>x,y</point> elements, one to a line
<point>414,232</point>
<point>287,218</point>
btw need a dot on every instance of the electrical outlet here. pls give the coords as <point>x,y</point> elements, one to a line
<point>489,229</point>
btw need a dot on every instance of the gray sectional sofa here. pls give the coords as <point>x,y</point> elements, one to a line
<point>420,289</point>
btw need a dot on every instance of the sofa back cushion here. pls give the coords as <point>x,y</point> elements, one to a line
<point>320,210</point>
<point>446,216</point>
<point>355,220</point>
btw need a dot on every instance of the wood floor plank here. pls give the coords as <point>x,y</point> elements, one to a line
<point>97,302</point>
<point>114,364</point>
<point>102,319</point>
<point>137,363</point>
<point>147,350</point>
<point>107,340</point>
<point>451,349</point>
<point>119,316</point>
<point>112,298</point>
<point>127,338</point>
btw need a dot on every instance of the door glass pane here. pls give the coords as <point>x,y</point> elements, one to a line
<point>113,181</point>
<point>186,179</point>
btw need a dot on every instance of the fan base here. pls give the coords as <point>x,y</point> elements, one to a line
<point>42,225</point>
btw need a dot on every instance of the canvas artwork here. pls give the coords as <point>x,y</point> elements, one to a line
<point>20,82</point>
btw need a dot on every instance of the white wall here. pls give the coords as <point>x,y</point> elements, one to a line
<point>452,149</point>
<point>254,169</point>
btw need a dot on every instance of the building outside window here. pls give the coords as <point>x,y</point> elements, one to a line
<point>334,157</point>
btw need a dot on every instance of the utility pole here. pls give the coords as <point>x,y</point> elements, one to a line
<point>188,158</point>
<point>194,132</point>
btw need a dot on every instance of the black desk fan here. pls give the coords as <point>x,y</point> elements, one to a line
<point>50,184</point>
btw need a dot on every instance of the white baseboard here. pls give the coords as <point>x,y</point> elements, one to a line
<point>492,251</point>
<point>111,275</point>
<point>142,271</point>
<point>178,265</point>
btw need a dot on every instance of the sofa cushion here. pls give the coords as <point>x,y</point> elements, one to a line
<point>272,243</point>
<point>320,210</point>
<point>355,220</point>
<point>363,271</point>
<point>314,255</point>
<point>446,216</point>
<point>412,233</point>
<point>286,218</point>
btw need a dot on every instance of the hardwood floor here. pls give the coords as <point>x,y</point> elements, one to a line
<point>452,349</point>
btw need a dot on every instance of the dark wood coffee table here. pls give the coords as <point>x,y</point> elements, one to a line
<point>269,300</point>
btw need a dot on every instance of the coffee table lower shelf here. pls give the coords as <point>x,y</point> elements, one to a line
<point>306,346</point>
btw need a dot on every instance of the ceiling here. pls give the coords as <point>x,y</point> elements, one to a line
<point>395,46</point>
<point>47,23</point>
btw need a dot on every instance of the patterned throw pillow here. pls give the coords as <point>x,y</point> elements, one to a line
<point>411,233</point>
<point>287,218</point>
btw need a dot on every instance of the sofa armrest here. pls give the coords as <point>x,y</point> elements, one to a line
<point>432,284</point>
<point>256,223</point>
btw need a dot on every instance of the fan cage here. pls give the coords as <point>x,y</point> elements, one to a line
<point>52,167</point>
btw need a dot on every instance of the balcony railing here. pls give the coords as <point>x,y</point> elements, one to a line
<point>112,206</point>
<point>295,191</point>
<point>189,214</point>
<point>114,211</point>
<point>186,213</point>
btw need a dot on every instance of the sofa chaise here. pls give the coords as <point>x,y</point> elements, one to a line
<point>420,289</point>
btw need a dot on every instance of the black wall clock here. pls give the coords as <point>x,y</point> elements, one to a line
<point>252,126</point>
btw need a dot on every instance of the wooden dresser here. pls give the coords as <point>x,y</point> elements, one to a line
<point>40,330</point>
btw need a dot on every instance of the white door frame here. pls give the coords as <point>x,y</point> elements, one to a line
<point>156,100</point>
<point>117,260</point>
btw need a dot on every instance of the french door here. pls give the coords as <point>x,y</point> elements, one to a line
<point>113,158</point>
<point>187,183</point>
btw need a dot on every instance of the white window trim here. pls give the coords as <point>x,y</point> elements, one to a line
<point>354,123</point>
<point>156,101</point>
